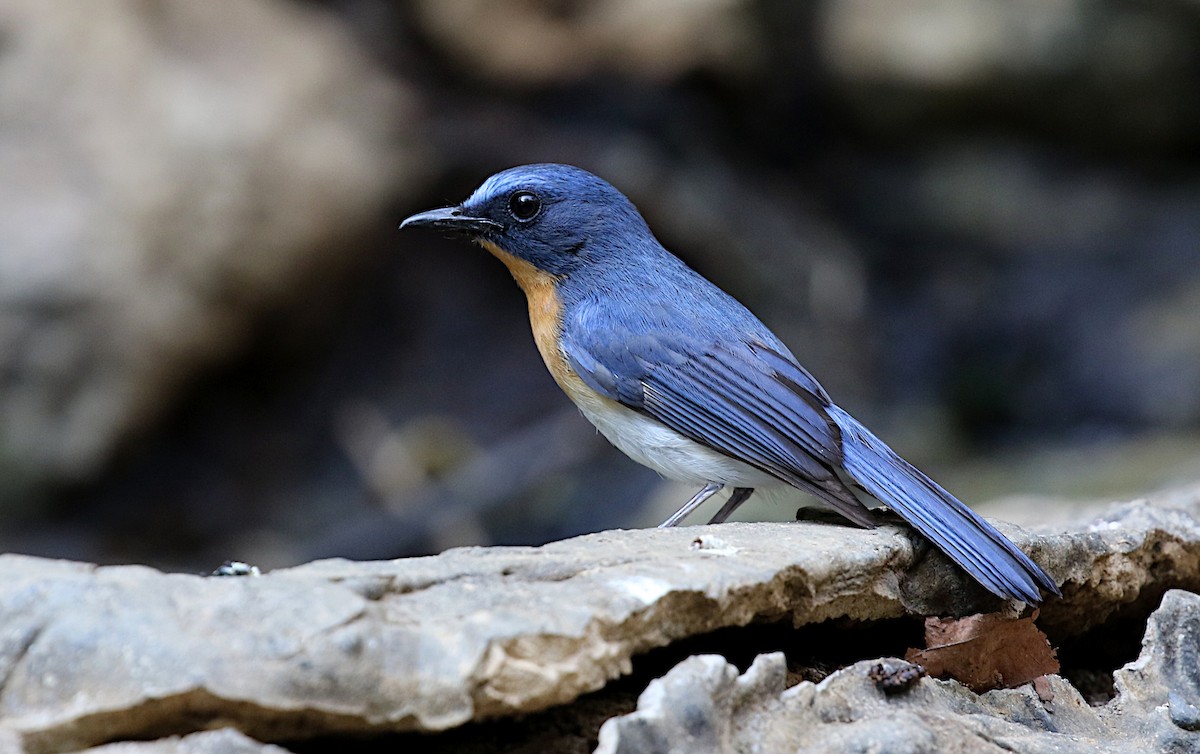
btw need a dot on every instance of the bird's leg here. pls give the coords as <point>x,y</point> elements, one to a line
<point>709,490</point>
<point>739,496</point>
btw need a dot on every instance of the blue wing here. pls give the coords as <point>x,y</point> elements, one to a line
<point>745,400</point>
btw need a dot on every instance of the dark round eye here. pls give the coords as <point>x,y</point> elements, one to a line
<point>524,205</point>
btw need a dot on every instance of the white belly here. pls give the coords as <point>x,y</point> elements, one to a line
<point>666,451</point>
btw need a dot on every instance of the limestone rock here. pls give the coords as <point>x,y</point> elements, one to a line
<point>99,654</point>
<point>704,705</point>
<point>194,166</point>
<point>223,741</point>
<point>1167,674</point>
<point>423,644</point>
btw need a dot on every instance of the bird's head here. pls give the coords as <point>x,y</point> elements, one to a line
<point>557,218</point>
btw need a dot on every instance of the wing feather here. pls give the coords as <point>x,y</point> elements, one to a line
<point>731,399</point>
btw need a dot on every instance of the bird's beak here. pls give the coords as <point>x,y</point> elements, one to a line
<point>451,218</point>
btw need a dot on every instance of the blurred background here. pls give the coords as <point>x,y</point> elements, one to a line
<point>976,221</point>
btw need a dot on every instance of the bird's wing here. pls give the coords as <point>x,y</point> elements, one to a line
<point>744,399</point>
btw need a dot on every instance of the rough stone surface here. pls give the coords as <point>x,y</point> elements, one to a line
<point>99,654</point>
<point>223,741</point>
<point>704,705</point>
<point>1166,677</point>
<point>193,167</point>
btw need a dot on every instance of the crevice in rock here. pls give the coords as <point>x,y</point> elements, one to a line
<point>568,729</point>
<point>1128,578</point>
<point>1089,659</point>
<point>813,652</point>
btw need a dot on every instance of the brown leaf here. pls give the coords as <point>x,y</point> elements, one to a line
<point>983,652</point>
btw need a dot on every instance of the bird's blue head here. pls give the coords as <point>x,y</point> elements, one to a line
<point>557,218</point>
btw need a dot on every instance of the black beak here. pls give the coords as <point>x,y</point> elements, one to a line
<point>451,218</point>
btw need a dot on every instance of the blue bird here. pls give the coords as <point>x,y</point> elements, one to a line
<point>684,379</point>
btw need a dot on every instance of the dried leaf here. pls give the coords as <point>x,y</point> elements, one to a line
<point>983,652</point>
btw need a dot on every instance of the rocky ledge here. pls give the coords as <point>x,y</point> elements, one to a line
<point>470,644</point>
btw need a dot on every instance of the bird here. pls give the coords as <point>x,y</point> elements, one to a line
<point>684,379</point>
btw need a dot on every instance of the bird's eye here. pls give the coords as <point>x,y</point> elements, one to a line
<point>524,205</point>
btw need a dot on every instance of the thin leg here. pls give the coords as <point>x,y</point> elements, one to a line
<point>739,496</point>
<point>709,490</point>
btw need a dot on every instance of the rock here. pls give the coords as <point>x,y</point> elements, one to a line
<point>423,644</point>
<point>691,709</point>
<point>223,741</point>
<point>90,655</point>
<point>704,705</point>
<point>194,167</point>
<point>1168,671</point>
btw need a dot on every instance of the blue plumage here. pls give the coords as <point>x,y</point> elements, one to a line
<point>685,379</point>
<point>955,529</point>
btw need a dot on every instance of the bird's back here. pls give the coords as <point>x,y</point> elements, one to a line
<point>659,296</point>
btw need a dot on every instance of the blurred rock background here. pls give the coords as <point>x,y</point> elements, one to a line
<point>977,221</point>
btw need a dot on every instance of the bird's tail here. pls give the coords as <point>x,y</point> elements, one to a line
<point>955,529</point>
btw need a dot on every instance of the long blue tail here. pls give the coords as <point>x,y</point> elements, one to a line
<point>954,528</point>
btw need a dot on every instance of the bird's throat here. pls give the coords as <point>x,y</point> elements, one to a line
<point>545,312</point>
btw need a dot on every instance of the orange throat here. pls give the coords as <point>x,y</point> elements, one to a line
<point>545,312</point>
